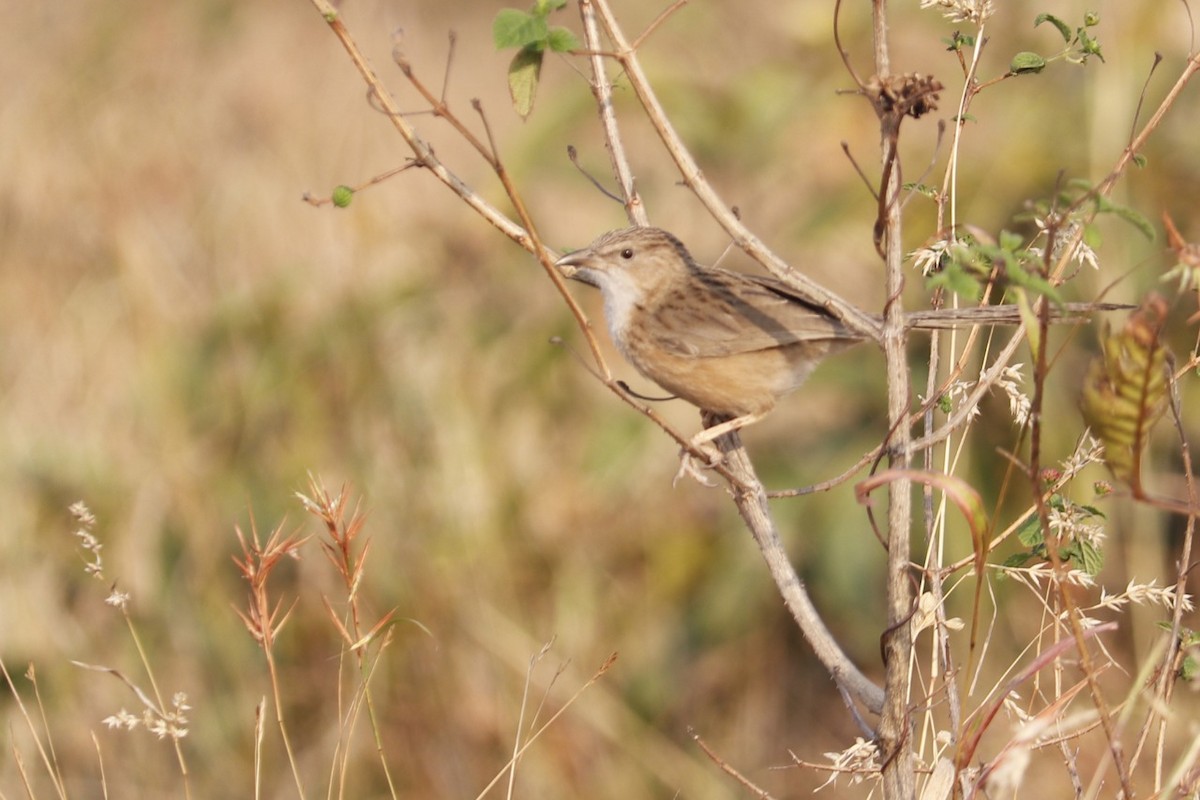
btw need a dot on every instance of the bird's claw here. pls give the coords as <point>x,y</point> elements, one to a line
<point>692,466</point>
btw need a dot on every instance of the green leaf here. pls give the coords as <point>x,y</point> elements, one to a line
<point>561,40</point>
<point>1026,63</point>
<point>1088,45</point>
<point>1188,668</point>
<point>1017,560</point>
<point>1063,28</point>
<point>1030,532</point>
<point>1090,558</point>
<point>1135,219</point>
<point>1016,272</point>
<point>958,41</point>
<point>1139,160</point>
<point>513,28</point>
<point>956,279</point>
<point>544,7</point>
<point>1010,242</point>
<point>523,75</point>
<point>921,189</point>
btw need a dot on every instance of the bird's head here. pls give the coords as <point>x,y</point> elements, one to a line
<point>633,261</point>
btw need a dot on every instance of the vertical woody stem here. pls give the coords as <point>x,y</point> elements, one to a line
<point>895,738</point>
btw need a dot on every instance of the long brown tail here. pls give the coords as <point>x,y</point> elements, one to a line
<point>944,318</point>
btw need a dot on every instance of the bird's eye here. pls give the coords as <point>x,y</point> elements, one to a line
<point>627,253</point>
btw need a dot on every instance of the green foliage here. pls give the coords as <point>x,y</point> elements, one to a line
<point>1078,551</point>
<point>1079,47</point>
<point>972,262</point>
<point>959,41</point>
<point>1063,28</point>
<point>1026,62</point>
<point>1189,666</point>
<point>926,191</point>
<point>1084,202</point>
<point>532,35</point>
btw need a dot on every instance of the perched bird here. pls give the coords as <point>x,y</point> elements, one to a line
<point>729,343</point>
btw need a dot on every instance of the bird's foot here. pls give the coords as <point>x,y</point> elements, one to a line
<point>693,467</point>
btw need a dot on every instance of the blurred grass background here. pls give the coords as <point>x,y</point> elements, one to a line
<point>183,340</point>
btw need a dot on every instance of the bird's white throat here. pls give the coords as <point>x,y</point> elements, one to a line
<point>621,296</point>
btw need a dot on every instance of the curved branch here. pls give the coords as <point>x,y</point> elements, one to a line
<point>751,502</point>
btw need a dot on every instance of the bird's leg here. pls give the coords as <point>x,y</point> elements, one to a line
<point>719,430</point>
<point>702,442</point>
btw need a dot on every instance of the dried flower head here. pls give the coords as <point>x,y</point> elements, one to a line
<point>973,11</point>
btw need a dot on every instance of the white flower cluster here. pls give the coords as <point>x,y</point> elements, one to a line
<point>94,564</point>
<point>163,724</point>
<point>860,759</point>
<point>973,11</point>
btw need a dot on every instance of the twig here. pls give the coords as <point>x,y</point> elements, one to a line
<point>602,90</point>
<point>728,769</point>
<point>853,317</point>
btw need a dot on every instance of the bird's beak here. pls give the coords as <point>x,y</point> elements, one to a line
<point>575,266</point>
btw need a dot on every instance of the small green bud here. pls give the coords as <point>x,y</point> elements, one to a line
<point>342,195</point>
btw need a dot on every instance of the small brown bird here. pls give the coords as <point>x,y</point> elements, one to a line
<point>731,344</point>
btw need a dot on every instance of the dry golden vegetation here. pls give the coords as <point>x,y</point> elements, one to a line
<point>184,340</point>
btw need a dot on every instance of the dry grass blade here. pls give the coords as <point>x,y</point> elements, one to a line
<point>545,726</point>
<point>47,760</point>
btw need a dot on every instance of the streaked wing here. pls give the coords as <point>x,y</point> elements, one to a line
<point>741,314</point>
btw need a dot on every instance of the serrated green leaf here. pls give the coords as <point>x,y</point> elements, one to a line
<point>523,75</point>
<point>954,278</point>
<point>1091,558</point>
<point>1030,532</point>
<point>1063,28</point>
<point>561,40</point>
<point>1026,63</point>
<point>513,28</point>
<point>1021,277</point>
